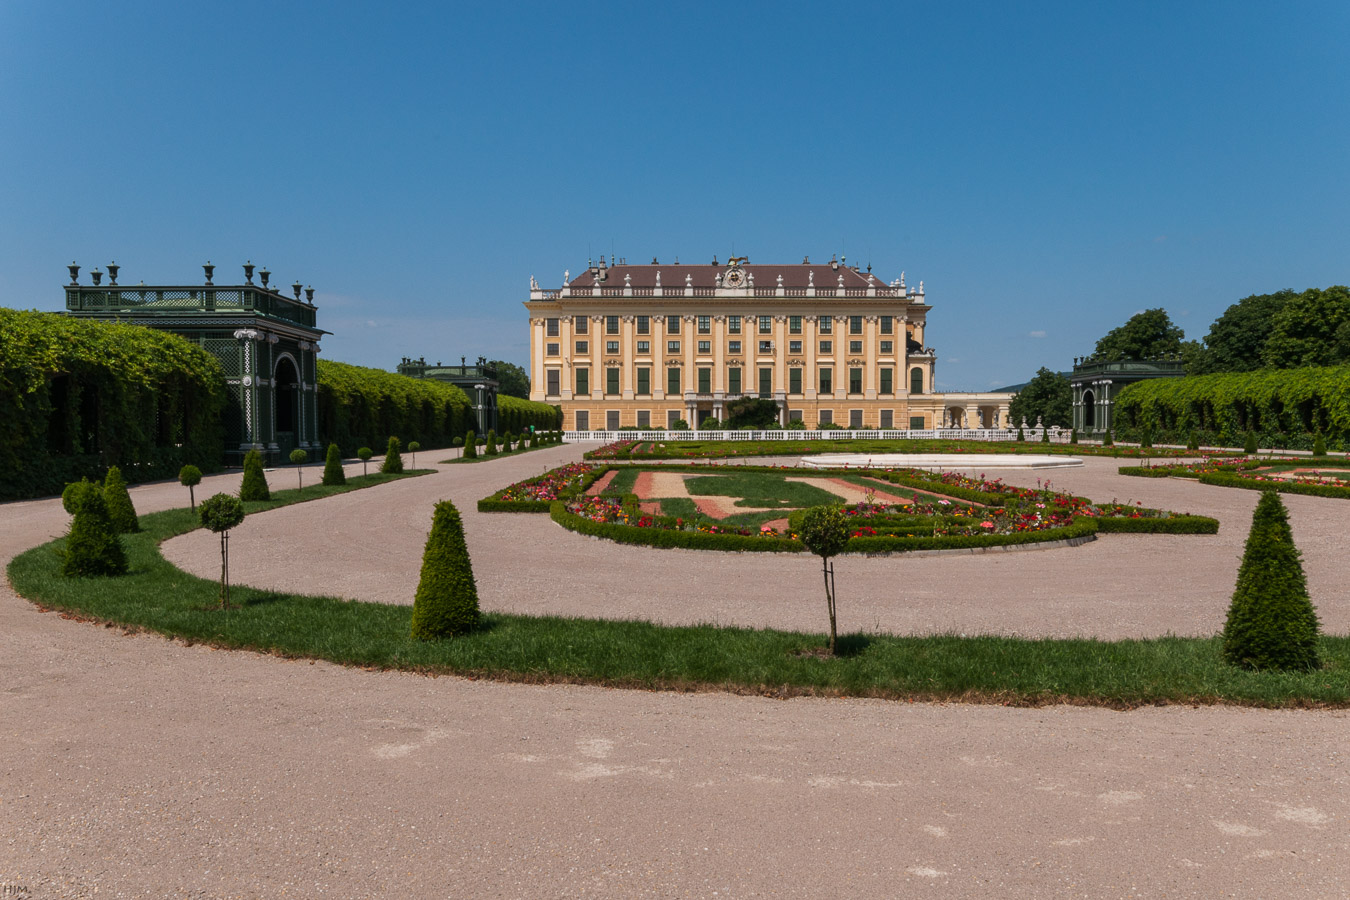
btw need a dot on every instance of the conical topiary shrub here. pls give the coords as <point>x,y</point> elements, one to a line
<point>1045,435</point>
<point>93,546</point>
<point>1021,435</point>
<point>1319,445</point>
<point>446,603</point>
<point>1193,443</point>
<point>393,459</point>
<point>254,485</point>
<point>1271,622</point>
<point>1108,441</point>
<point>508,442</point>
<point>1073,436</point>
<point>471,446</point>
<point>120,510</point>
<point>332,466</point>
<point>1249,443</point>
<point>491,447</point>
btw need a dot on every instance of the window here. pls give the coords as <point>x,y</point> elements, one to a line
<point>583,418</point>
<point>551,327</point>
<point>794,324</point>
<point>551,349</point>
<point>611,381</point>
<point>766,346</point>
<point>644,325</point>
<point>611,324</point>
<point>672,346</point>
<point>794,381</point>
<point>827,346</point>
<point>794,346</point>
<point>583,384</point>
<point>765,382</point>
<point>612,420</point>
<point>705,346</point>
<point>826,417</point>
<point>705,381</point>
<point>855,346</point>
<point>733,324</point>
<point>888,346</point>
<point>826,325</point>
<point>611,346</point>
<point>887,381</point>
<point>916,423</point>
<point>704,325</point>
<point>855,418</point>
<point>644,346</point>
<point>887,419</point>
<point>795,415</point>
<point>554,380</point>
<point>583,347</point>
<point>672,324</point>
<point>766,324</point>
<point>672,416</point>
<point>826,380</point>
<point>916,381</point>
<point>734,380</point>
<point>581,325</point>
<point>886,325</point>
<point>644,418</point>
<point>855,381</point>
<point>733,346</point>
<point>644,379</point>
<point>673,380</point>
<point>855,324</point>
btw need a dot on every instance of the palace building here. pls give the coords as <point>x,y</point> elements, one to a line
<point>646,345</point>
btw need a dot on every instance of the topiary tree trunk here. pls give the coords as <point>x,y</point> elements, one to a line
<point>254,486</point>
<point>1272,623</point>
<point>413,447</point>
<point>446,603</point>
<point>393,459</point>
<point>120,510</point>
<point>332,467</point>
<point>189,477</point>
<point>364,454</point>
<point>825,532</point>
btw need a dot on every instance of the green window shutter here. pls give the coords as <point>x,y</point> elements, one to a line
<point>583,381</point>
<point>734,380</point>
<point>644,378</point>
<point>765,382</point>
<point>673,381</point>
<point>794,381</point>
<point>887,379</point>
<point>611,381</point>
<point>827,380</point>
<point>705,381</point>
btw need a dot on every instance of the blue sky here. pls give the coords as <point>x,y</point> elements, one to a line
<point>1046,169</point>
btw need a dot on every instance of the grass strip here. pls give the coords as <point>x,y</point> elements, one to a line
<point>158,597</point>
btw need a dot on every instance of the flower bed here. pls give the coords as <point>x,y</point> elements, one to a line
<point>535,494</point>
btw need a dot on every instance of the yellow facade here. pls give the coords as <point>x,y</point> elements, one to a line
<point>617,347</point>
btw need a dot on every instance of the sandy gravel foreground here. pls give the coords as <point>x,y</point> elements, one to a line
<point>131,766</point>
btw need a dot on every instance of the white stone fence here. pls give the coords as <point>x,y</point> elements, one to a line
<point>1057,435</point>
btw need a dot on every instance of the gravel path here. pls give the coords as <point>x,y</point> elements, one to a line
<point>132,766</point>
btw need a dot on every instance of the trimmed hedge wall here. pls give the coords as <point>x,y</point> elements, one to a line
<point>363,407</point>
<point>1284,407</point>
<point>1147,525</point>
<point>657,537</point>
<point>1081,527</point>
<point>78,396</point>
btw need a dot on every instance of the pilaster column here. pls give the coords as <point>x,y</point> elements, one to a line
<point>659,359</point>
<point>811,339</point>
<point>870,377</point>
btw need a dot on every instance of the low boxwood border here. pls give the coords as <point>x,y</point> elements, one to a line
<point>1224,479</point>
<point>660,537</point>
<point>1157,525</point>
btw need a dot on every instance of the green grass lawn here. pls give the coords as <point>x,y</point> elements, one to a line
<point>158,597</point>
<point>761,489</point>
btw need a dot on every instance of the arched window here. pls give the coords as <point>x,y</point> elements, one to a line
<point>1089,410</point>
<point>916,380</point>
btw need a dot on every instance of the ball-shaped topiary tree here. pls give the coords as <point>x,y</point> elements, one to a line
<point>254,486</point>
<point>120,510</point>
<point>413,447</point>
<point>298,459</point>
<point>332,467</point>
<point>1272,623</point>
<point>825,532</point>
<point>219,514</point>
<point>393,458</point>
<point>364,454</point>
<point>93,546</point>
<point>189,477</point>
<point>446,603</point>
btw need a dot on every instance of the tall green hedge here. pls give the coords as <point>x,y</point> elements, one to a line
<point>362,407</point>
<point>1285,408</point>
<point>78,396</point>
